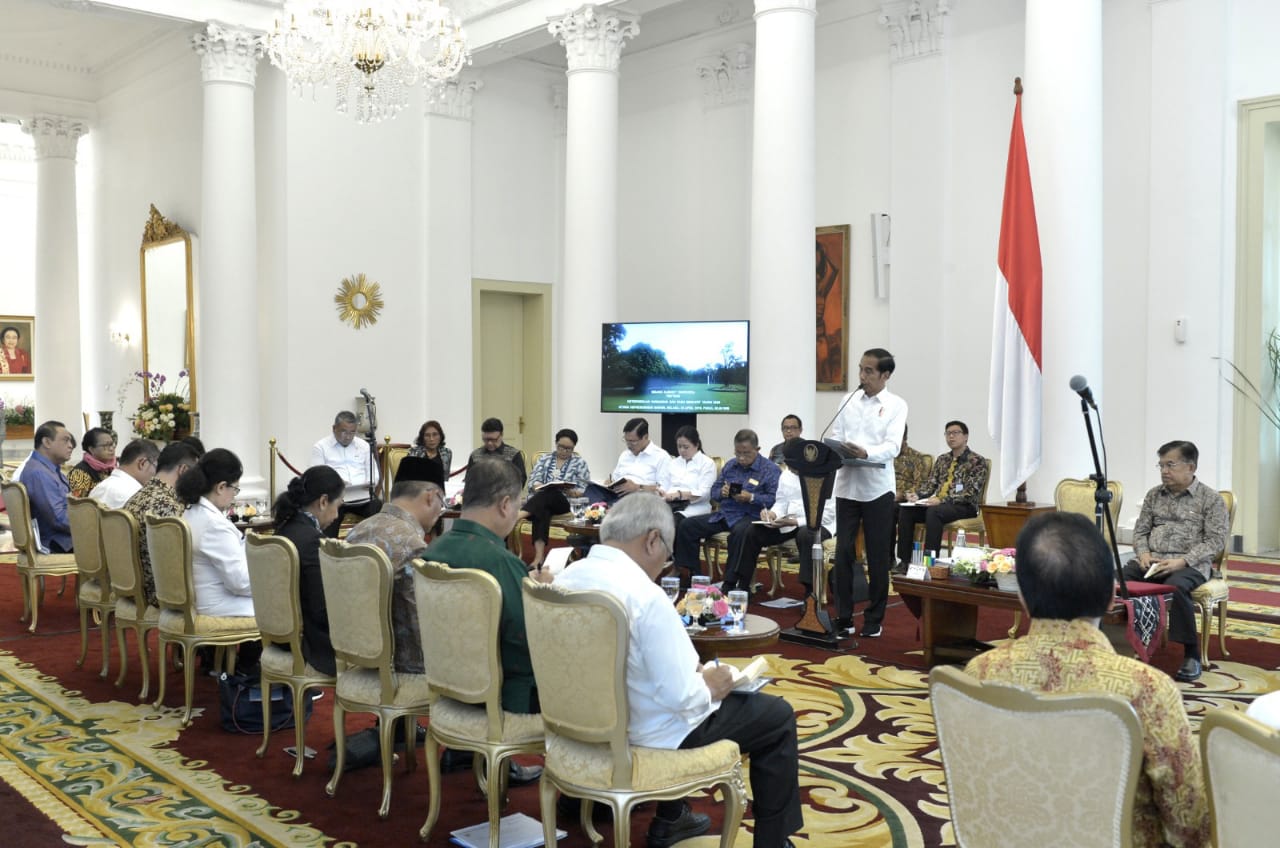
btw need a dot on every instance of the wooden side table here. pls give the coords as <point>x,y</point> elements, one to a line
<point>1004,521</point>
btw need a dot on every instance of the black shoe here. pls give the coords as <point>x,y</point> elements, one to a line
<point>842,625</point>
<point>870,631</point>
<point>663,833</point>
<point>455,760</point>
<point>570,809</point>
<point>900,569</point>
<point>1189,670</point>
<point>521,775</point>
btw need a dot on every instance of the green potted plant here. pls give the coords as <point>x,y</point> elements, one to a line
<point>19,419</point>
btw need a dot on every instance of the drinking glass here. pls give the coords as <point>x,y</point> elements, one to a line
<point>671,585</point>
<point>579,507</point>
<point>693,602</point>
<point>701,581</point>
<point>738,608</point>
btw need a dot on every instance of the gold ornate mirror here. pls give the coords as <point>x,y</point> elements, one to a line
<point>168,302</point>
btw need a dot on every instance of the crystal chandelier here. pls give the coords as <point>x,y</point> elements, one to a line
<point>372,51</point>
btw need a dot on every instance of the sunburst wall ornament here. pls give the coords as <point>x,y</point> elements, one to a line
<point>359,301</point>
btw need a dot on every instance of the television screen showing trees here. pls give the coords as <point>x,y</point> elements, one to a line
<point>675,366</point>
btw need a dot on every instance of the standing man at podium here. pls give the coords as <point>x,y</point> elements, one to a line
<point>870,423</point>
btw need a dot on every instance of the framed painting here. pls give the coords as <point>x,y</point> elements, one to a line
<point>17,333</point>
<point>832,341</point>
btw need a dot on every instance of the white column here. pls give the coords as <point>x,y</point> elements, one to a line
<point>781,288</point>
<point>226,324</point>
<point>1062,118</point>
<point>56,342</point>
<point>593,40</point>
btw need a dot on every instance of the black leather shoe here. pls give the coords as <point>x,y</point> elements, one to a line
<point>521,775</point>
<point>1188,671</point>
<point>842,625</point>
<point>663,833</point>
<point>870,631</point>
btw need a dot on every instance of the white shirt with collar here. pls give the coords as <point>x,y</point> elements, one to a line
<point>115,489</point>
<point>650,467</point>
<point>875,424</point>
<point>220,572</point>
<point>790,501</point>
<point>352,464</point>
<point>694,476</point>
<point>667,695</point>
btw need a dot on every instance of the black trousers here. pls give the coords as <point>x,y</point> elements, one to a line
<point>595,493</point>
<point>764,726</point>
<point>934,518</point>
<point>364,509</point>
<point>876,519</point>
<point>690,535</point>
<point>541,506</point>
<point>1182,612</point>
<point>752,538</point>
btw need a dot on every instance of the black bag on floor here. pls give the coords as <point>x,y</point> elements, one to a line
<point>240,700</point>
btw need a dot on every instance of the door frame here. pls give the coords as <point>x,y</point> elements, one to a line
<point>536,298</point>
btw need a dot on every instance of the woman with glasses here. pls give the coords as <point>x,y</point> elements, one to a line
<point>97,464</point>
<point>219,570</point>
<point>556,477</point>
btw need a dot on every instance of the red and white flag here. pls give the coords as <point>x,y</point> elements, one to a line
<point>1013,416</point>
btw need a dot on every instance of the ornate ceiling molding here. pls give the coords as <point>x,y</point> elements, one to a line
<point>453,99</point>
<point>727,76</point>
<point>55,136</point>
<point>915,29</point>
<point>593,37</point>
<point>229,53</point>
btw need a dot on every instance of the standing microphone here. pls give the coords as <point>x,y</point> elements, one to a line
<point>838,411</point>
<point>368,398</point>
<point>1080,386</point>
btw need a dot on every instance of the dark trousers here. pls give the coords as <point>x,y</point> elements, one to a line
<point>1182,612</point>
<point>746,541</point>
<point>541,507</point>
<point>876,519</point>
<point>364,509</point>
<point>764,726</point>
<point>934,518</point>
<point>595,493</point>
<point>689,539</point>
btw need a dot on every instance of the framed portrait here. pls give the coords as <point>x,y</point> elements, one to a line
<point>17,333</point>
<point>832,340</point>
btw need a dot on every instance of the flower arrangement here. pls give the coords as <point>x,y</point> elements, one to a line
<point>19,414</point>
<point>166,412</point>
<point>595,512</point>
<point>454,501</point>
<point>987,567</point>
<point>715,607</point>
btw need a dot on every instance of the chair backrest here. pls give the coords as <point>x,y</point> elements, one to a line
<point>277,603</point>
<point>85,517</point>
<point>569,632</point>
<point>1241,758</point>
<point>986,480</point>
<point>1024,768</point>
<point>1072,495</point>
<point>1220,561</point>
<point>392,453</point>
<point>357,593</point>
<point>459,612</point>
<point>120,536</point>
<point>169,543</point>
<point>18,505</point>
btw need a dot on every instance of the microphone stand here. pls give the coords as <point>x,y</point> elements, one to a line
<point>372,407</point>
<point>1102,499</point>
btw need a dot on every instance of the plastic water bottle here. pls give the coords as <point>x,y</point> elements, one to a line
<point>960,539</point>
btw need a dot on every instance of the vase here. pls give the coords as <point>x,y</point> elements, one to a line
<point>1007,582</point>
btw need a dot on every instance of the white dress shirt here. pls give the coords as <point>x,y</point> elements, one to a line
<point>220,572</point>
<point>790,501</point>
<point>875,424</point>
<point>115,489</point>
<point>352,464</point>
<point>666,692</point>
<point>694,476</point>
<point>650,467</point>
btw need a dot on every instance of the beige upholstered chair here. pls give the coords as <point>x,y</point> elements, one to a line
<point>459,610</point>
<point>392,453</point>
<point>33,566</point>
<point>1024,768</point>
<point>169,542</point>
<point>94,584</point>
<point>1072,495</point>
<point>277,607</point>
<point>1213,594</point>
<point>120,537</point>
<point>1241,758</point>
<point>973,527</point>
<point>588,755</point>
<point>357,591</point>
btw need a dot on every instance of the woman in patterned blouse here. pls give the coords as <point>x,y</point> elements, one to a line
<point>98,462</point>
<point>556,477</point>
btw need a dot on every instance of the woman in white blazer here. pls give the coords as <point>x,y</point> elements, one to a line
<point>219,570</point>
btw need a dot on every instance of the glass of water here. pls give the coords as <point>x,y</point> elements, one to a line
<point>693,602</point>
<point>671,585</point>
<point>701,581</point>
<point>738,608</point>
<point>579,507</point>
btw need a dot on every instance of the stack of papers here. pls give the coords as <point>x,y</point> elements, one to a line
<point>514,831</point>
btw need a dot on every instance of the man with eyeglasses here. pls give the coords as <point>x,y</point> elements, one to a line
<point>136,466</point>
<point>951,493</point>
<point>353,460</point>
<point>1182,526</point>
<point>642,467</point>
<point>47,486</point>
<point>492,447</point>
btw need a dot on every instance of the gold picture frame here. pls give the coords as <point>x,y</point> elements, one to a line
<point>17,347</point>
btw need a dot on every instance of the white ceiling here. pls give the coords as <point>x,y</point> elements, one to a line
<point>73,37</point>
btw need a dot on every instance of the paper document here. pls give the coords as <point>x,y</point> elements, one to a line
<point>556,559</point>
<point>554,484</point>
<point>783,603</point>
<point>745,676</point>
<point>1151,570</point>
<point>514,831</point>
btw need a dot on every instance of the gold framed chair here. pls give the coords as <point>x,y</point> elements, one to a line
<point>357,591</point>
<point>120,539</point>
<point>1072,495</point>
<point>1241,757</point>
<point>33,566</point>
<point>588,753</point>
<point>169,541</point>
<point>1075,759</point>
<point>391,454</point>
<point>1212,595</point>
<point>277,607</point>
<point>459,611</point>
<point>94,584</point>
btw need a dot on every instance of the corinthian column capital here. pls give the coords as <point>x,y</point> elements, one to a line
<point>229,53</point>
<point>593,37</point>
<point>55,136</point>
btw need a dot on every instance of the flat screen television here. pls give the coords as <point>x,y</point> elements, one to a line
<point>697,367</point>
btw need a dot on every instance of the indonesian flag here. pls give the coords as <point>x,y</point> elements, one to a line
<point>1016,366</point>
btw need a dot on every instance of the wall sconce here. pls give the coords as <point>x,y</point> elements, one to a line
<point>120,337</point>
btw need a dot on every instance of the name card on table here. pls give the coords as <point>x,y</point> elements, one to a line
<point>917,572</point>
